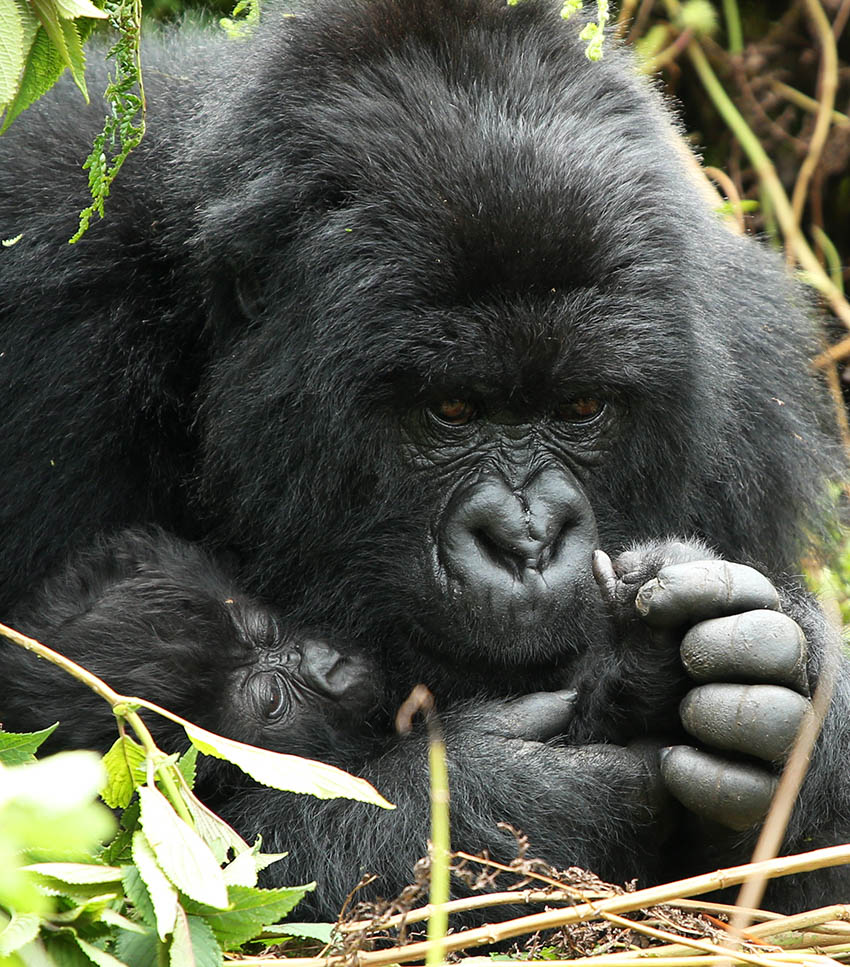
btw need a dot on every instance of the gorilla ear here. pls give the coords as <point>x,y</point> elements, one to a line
<point>249,294</point>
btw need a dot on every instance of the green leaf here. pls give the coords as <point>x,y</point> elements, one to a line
<point>137,893</point>
<point>315,931</point>
<point>162,893</point>
<point>18,748</point>
<point>49,18</point>
<point>193,944</point>
<point>64,951</point>
<point>139,950</point>
<point>186,764</point>
<point>242,871</point>
<point>96,955</point>
<point>12,53</point>
<point>114,919</point>
<point>77,874</point>
<point>44,65</point>
<point>180,852</point>
<point>252,909</point>
<point>287,772</point>
<point>71,9</point>
<point>20,930</point>
<point>76,57</point>
<point>125,770</point>
<point>213,830</point>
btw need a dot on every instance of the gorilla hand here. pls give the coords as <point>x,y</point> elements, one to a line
<point>538,717</point>
<point>750,662</point>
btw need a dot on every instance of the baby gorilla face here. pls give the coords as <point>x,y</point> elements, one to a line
<point>295,692</point>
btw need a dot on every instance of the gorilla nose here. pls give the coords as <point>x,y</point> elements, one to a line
<point>513,548</point>
<point>506,539</point>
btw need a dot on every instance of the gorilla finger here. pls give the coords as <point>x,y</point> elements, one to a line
<point>758,720</point>
<point>734,794</point>
<point>533,718</point>
<point>684,593</point>
<point>756,646</point>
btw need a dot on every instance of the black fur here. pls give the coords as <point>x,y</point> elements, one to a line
<point>376,207</point>
<point>157,618</point>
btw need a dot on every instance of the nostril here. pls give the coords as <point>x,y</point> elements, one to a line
<point>501,556</point>
<point>552,550</point>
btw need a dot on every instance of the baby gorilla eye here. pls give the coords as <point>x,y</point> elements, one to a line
<point>582,409</point>
<point>272,696</point>
<point>454,412</point>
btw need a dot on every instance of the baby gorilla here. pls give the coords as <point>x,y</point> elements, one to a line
<point>156,618</point>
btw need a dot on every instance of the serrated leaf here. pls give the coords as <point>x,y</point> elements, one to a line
<point>137,893</point>
<point>124,764</point>
<point>19,931</point>
<point>115,919</point>
<point>242,871</point>
<point>43,67</point>
<point>186,764</point>
<point>162,894</point>
<point>252,909</point>
<point>139,949</point>
<point>314,931</point>
<point>48,16</point>
<point>12,53</point>
<point>76,57</point>
<point>77,874</point>
<point>213,830</point>
<point>180,852</point>
<point>290,773</point>
<point>71,9</point>
<point>96,955</point>
<point>18,748</point>
<point>193,944</point>
<point>64,952</point>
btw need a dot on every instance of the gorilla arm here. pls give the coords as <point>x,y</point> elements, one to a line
<point>598,806</point>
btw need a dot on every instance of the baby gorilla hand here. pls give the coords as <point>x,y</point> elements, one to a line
<point>750,661</point>
<point>538,717</point>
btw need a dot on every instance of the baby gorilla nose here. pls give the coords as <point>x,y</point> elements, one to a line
<point>515,550</point>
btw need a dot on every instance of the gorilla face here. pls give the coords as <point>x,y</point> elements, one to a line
<point>298,694</point>
<point>510,542</point>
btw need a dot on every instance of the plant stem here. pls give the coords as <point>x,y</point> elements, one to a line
<point>734,33</point>
<point>794,239</point>
<point>122,705</point>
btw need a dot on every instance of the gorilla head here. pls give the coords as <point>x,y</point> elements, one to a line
<point>486,277</point>
<point>157,618</point>
<point>481,323</point>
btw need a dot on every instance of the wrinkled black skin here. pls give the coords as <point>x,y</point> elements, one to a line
<point>157,618</point>
<point>389,205</point>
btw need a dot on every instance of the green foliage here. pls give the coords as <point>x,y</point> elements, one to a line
<point>160,891</point>
<point>124,126</point>
<point>38,40</point>
<point>243,19</point>
<point>175,884</point>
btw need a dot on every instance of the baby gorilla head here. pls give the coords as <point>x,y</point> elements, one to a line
<point>156,618</point>
<point>289,691</point>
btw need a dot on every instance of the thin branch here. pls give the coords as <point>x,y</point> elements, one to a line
<point>805,102</point>
<point>828,84</point>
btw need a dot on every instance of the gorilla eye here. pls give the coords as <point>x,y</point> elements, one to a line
<point>454,412</point>
<point>582,409</point>
<point>273,697</point>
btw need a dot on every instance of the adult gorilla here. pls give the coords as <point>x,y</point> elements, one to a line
<point>409,307</point>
